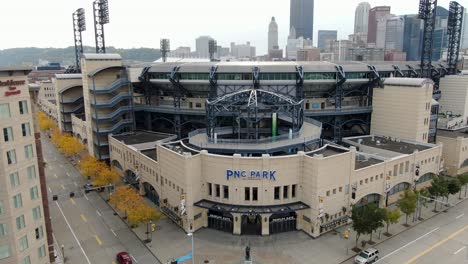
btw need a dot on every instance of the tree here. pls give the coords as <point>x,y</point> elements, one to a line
<point>438,189</point>
<point>391,217</point>
<point>70,146</point>
<point>359,221</point>
<point>89,166</point>
<point>367,219</point>
<point>453,186</point>
<point>105,177</point>
<point>463,179</point>
<point>45,123</point>
<point>407,203</point>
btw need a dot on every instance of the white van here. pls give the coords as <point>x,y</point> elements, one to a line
<point>367,256</point>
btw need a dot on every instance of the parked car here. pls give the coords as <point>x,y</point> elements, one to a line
<point>369,255</point>
<point>124,258</point>
<point>87,186</point>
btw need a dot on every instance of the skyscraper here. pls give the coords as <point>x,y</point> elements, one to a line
<point>325,36</point>
<point>464,36</point>
<point>377,24</point>
<point>361,17</point>
<point>412,37</point>
<point>201,46</point>
<point>272,35</point>
<point>301,18</point>
<point>394,33</point>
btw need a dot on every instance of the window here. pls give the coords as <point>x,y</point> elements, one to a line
<point>4,251</point>
<point>277,193</point>
<point>2,209</point>
<point>395,170</point>
<point>11,156</point>
<point>23,243</point>
<point>17,201</point>
<point>367,180</point>
<point>381,175</point>
<point>20,223</point>
<point>217,190</point>
<point>347,189</point>
<point>34,193</point>
<point>255,193</point>
<point>225,192</point>
<point>371,179</point>
<point>328,193</point>
<point>407,166</point>
<point>31,170</point>
<point>23,107</point>
<point>293,191</point>
<point>401,168</point>
<point>3,230</point>
<point>285,192</point>
<point>4,113</point>
<point>26,129</point>
<point>26,260</point>
<point>39,233</point>
<point>247,193</point>
<point>14,179</point>
<point>28,152</point>
<point>41,251</point>
<point>36,213</point>
<point>360,182</point>
<point>8,134</point>
<point>334,191</point>
<point>210,189</point>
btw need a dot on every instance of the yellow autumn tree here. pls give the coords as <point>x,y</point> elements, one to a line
<point>89,166</point>
<point>106,176</point>
<point>70,146</point>
<point>45,123</point>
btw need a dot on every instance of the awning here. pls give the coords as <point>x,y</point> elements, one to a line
<point>252,209</point>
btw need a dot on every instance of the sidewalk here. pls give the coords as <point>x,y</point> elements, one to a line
<point>211,246</point>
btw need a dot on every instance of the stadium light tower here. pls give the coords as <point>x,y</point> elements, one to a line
<point>165,47</point>
<point>79,25</point>
<point>427,12</point>
<point>454,28</point>
<point>212,48</point>
<point>101,17</point>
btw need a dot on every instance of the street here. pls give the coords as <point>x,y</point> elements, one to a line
<point>85,225</point>
<point>441,239</point>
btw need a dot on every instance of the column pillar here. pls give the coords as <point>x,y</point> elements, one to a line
<point>265,224</point>
<point>237,220</point>
<point>148,124</point>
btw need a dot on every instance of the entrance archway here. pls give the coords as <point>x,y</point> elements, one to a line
<point>251,225</point>
<point>370,198</point>
<point>283,222</point>
<point>131,178</point>
<point>221,221</point>
<point>151,193</point>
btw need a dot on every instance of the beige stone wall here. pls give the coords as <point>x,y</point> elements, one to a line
<point>455,152</point>
<point>455,94</point>
<point>60,84</point>
<point>7,190</point>
<point>402,112</point>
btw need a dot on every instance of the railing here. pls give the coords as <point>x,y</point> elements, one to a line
<point>115,100</point>
<point>114,127</point>
<point>74,110</point>
<point>111,87</point>
<point>113,115</point>
<point>73,100</point>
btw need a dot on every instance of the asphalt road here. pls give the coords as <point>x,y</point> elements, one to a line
<point>441,239</point>
<point>85,225</point>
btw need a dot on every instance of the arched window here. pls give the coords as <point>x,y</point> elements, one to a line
<point>425,178</point>
<point>399,188</point>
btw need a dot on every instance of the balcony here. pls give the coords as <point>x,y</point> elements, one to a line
<point>114,86</point>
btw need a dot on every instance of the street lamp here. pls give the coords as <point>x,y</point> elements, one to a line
<point>63,252</point>
<point>193,251</point>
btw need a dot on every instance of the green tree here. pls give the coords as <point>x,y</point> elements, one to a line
<point>407,203</point>
<point>367,219</point>
<point>359,221</point>
<point>391,217</point>
<point>438,188</point>
<point>376,219</point>
<point>463,179</point>
<point>453,186</point>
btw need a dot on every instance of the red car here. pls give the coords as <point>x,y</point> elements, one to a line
<point>124,258</point>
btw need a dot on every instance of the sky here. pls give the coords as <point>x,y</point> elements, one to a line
<point>142,23</point>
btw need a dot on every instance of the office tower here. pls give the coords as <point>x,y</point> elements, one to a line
<point>272,35</point>
<point>394,33</point>
<point>440,40</point>
<point>412,37</point>
<point>243,51</point>
<point>464,41</point>
<point>23,236</point>
<point>361,17</point>
<point>325,36</point>
<point>201,46</point>
<point>377,24</point>
<point>302,18</point>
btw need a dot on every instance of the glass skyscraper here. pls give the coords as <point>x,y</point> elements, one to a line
<point>302,18</point>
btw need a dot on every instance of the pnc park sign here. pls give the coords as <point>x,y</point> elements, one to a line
<point>251,174</point>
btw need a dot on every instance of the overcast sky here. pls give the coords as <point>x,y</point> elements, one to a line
<point>142,23</point>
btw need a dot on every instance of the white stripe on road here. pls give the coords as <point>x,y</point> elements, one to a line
<point>98,213</point>
<point>459,216</point>
<point>458,251</point>
<point>407,244</point>
<point>74,183</point>
<point>68,174</point>
<point>113,232</point>
<point>55,175</point>
<point>86,197</point>
<point>50,190</point>
<point>73,233</point>
<point>134,259</point>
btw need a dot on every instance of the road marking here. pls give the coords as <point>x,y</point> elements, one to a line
<point>458,251</point>
<point>113,232</point>
<point>413,259</point>
<point>86,197</point>
<point>73,233</point>
<point>459,216</point>
<point>63,187</point>
<point>55,175</point>
<point>98,240</point>
<point>98,213</point>
<point>50,190</point>
<point>76,185</point>
<point>68,174</point>
<point>84,218</point>
<point>134,258</point>
<point>73,201</point>
<point>407,244</point>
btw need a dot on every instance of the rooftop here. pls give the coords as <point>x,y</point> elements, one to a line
<point>150,153</point>
<point>327,151</point>
<point>140,137</point>
<point>388,144</point>
<point>453,133</point>
<point>363,162</point>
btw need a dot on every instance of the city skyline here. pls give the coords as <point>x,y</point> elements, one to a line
<point>132,26</point>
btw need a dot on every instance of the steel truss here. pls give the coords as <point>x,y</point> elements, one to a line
<point>252,105</point>
<point>101,17</point>
<point>454,28</point>
<point>427,12</point>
